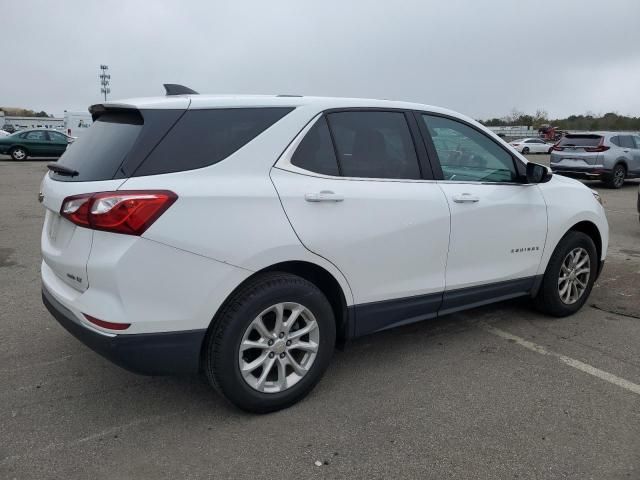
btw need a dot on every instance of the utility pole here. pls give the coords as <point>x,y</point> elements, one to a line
<point>104,81</point>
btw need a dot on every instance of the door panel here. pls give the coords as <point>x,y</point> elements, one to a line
<point>389,238</point>
<point>498,225</point>
<point>498,235</point>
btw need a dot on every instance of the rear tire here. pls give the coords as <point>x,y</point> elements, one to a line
<point>553,298</point>
<point>18,154</point>
<point>248,319</point>
<point>617,177</point>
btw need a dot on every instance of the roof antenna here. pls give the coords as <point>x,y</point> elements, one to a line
<point>175,89</point>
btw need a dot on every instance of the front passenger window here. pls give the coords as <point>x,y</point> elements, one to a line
<point>465,154</point>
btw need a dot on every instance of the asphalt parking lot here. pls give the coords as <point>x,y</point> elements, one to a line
<point>496,392</point>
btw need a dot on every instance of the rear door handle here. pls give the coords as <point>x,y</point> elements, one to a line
<point>465,198</point>
<point>323,196</point>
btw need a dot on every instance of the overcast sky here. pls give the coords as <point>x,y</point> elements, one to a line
<point>482,58</point>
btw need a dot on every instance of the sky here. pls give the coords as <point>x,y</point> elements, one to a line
<point>481,58</point>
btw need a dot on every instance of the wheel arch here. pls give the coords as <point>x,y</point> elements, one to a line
<point>590,229</point>
<point>315,274</point>
<point>17,145</point>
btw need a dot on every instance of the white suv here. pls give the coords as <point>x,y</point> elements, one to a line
<point>245,237</point>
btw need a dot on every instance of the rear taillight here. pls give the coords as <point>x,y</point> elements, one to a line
<point>129,212</point>
<point>599,148</point>
<point>557,148</point>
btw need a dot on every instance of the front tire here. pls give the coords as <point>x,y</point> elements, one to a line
<point>569,276</point>
<point>270,343</point>
<point>18,154</point>
<point>525,150</point>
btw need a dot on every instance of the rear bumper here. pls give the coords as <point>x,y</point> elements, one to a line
<point>147,353</point>
<point>586,173</point>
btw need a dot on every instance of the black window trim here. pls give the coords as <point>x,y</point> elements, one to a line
<point>519,166</point>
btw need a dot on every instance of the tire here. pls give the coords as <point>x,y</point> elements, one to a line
<point>19,153</point>
<point>549,151</point>
<point>548,300</point>
<point>234,325</point>
<point>525,150</point>
<point>617,177</point>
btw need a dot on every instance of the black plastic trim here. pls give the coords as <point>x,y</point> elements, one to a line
<point>376,316</point>
<point>148,354</point>
<point>470,297</point>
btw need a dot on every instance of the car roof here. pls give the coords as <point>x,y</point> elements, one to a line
<point>248,101</point>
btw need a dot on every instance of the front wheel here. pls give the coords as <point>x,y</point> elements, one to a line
<point>270,343</point>
<point>18,153</point>
<point>569,276</point>
<point>525,150</point>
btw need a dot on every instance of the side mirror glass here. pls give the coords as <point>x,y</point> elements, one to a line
<point>537,173</point>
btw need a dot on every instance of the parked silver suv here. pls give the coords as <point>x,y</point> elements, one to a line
<point>608,156</point>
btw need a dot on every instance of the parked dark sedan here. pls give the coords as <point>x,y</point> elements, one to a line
<point>34,143</point>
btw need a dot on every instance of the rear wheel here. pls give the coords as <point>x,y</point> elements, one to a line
<point>617,177</point>
<point>18,153</point>
<point>270,343</point>
<point>569,277</point>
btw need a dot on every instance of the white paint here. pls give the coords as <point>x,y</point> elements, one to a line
<point>577,364</point>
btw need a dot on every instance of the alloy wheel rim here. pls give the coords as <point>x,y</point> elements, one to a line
<point>279,347</point>
<point>574,276</point>
<point>19,154</point>
<point>619,176</point>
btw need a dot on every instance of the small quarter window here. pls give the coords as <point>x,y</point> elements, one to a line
<point>315,152</point>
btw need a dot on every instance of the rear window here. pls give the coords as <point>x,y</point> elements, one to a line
<point>151,142</point>
<point>580,140</point>
<point>99,151</point>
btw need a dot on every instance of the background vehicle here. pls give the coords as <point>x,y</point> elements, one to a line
<point>34,143</point>
<point>76,123</point>
<point>4,133</point>
<point>550,133</point>
<point>287,224</point>
<point>608,156</point>
<point>531,145</point>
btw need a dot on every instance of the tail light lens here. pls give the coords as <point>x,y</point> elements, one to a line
<point>557,148</point>
<point>599,148</point>
<point>129,212</point>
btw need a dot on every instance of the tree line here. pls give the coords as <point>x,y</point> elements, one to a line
<point>23,112</point>
<point>588,121</point>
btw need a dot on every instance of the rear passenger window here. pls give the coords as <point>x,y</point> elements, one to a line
<point>615,141</point>
<point>204,137</point>
<point>374,145</point>
<point>315,152</point>
<point>626,141</point>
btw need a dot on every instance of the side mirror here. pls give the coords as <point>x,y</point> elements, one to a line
<point>537,173</point>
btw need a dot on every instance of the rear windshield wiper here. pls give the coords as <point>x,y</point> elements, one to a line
<point>62,170</point>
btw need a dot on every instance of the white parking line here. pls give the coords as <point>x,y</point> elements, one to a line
<point>577,364</point>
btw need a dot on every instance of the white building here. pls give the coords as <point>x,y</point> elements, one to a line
<point>22,123</point>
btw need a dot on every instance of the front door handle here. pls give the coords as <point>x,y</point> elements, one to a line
<point>323,196</point>
<point>465,198</point>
